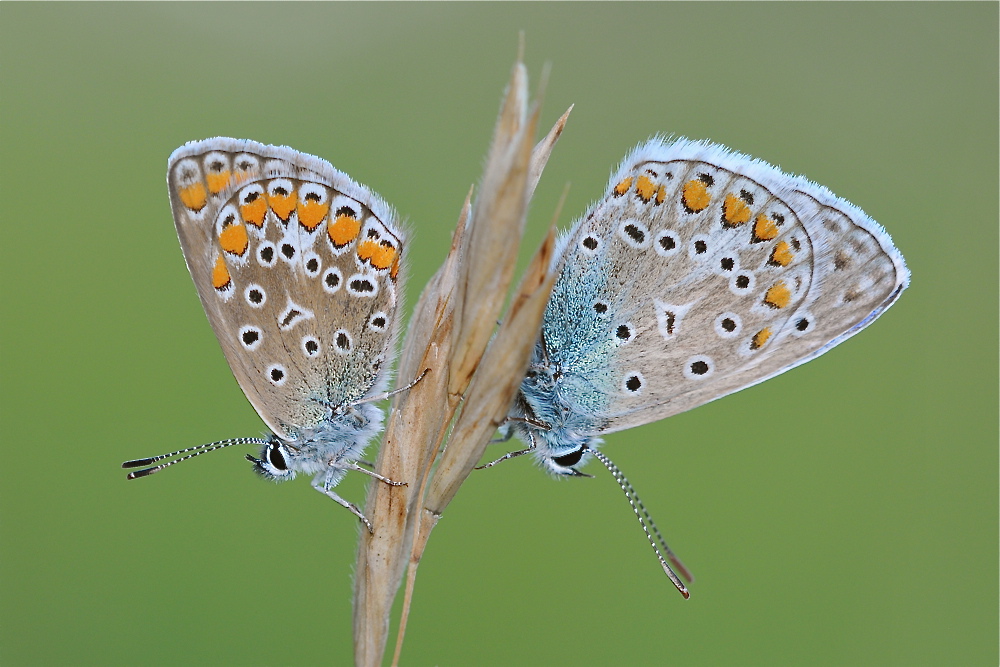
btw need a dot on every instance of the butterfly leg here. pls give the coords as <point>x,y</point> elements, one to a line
<point>374,474</point>
<point>330,493</point>
<point>507,435</point>
<point>508,432</point>
<point>508,455</point>
<point>388,394</point>
<point>511,455</point>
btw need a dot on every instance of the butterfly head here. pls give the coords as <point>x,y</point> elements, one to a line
<point>565,464</point>
<point>557,435</point>
<point>560,451</point>
<point>275,462</point>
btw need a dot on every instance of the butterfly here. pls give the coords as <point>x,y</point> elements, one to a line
<point>702,271</point>
<point>299,269</point>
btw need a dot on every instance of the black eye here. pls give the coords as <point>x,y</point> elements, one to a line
<point>569,460</point>
<point>275,457</point>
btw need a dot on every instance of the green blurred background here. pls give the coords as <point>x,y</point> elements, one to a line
<point>862,530</point>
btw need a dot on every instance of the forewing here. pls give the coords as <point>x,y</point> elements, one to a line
<point>298,268</point>
<point>714,271</point>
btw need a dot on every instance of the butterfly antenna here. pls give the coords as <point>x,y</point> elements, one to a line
<point>648,526</point>
<point>194,451</point>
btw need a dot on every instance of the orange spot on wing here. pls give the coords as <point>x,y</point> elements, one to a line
<point>661,194</point>
<point>311,213</point>
<point>778,296</point>
<point>194,196</point>
<point>282,204</point>
<point>644,188</point>
<point>233,239</point>
<point>782,254</point>
<point>380,254</point>
<point>394,271</point>
<point>367,249</point>
<point>760,338</point>
<point>735,211</point>
<point>343,230</point>
<point>220,275</point>
<point>217,181</point>
<point>384,256</point>
<point>253,213</point>
<point>695,196</point>
<point>623,186</point>
<point>764,229</point>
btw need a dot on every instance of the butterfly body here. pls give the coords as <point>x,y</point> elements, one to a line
<point>299,270</point>
<point>327,450</point>
<point>558,395</point>
<point>699,273</point>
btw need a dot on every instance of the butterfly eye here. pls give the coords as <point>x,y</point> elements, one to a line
<point>276,458</point>
<point>568,460</point>
<point>273,464</point>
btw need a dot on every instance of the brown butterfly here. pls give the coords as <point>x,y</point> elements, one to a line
<point>299,269</point>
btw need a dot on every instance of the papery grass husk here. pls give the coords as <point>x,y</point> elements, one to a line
<point>471,364</point>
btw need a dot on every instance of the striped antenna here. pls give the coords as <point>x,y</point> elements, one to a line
<point>194,451</point>
<point>648,526</point>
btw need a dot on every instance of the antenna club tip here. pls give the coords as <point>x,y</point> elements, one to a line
<point>686,593</point>
<point>135,463</point>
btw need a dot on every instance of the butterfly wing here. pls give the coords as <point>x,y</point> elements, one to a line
<point>298,269</point>
<point>701,272</point>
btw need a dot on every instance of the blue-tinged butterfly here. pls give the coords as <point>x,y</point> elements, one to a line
<point>700,272</point>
